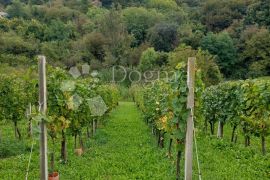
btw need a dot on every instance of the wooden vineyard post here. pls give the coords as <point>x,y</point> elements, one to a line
<point>43,109</point>
<point>28,116</point>
<point>94,126</point>
<point>190,123</point>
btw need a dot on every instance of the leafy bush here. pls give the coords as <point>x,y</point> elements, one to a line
<point>221,45</point>
<point>205,61</point>
<point>138,20</point>
<point>148,59</point>
<point>163,36</point>
<point>12,148</point>
<point>18,9</point>
<point>16,45</point>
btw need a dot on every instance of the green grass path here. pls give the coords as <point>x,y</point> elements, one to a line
<point>124,149</point>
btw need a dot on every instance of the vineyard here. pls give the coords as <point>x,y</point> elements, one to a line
<point>91,134</point>
<point>243,106</point>
<point>75,108</point>
<point>134,89</point>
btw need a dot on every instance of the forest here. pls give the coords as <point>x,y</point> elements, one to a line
<point>103,126</point>
<point>231,34</point>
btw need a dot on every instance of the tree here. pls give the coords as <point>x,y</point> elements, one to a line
<point>221,45</point>
<point>95,43</point>
<point>218,15</point>
<point>18,9</point>
<point>124,3</point>
<point>5,2</point>
<point>55,12</point>
<point>58,31</point>
<point>191,34</point>
<point>106,3</point>
<point>81,5</point>
<point>96,13</point>
<point>256,54</point>
<point>169,8</point>
<point>162,5</point>
<point>24,28</point>
<point>57,52</point>
<point>148,59</point>
<point>206,62</point>
<point>178,16</point>
<point>135,54</point>
<point>33,28</point>
<point>138,20</point>
<point>191,3</point>
<point>11,43</point>
<point>163,36</point>
<point>118,39</point>
<point>259,13</point>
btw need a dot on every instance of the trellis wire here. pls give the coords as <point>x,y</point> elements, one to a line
<point>29,161</point>
<point>196,150</point>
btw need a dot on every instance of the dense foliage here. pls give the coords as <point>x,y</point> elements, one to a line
<point>164,106</point>
<point>229,38</point>
<point>113,32</point>
<point>241,104</point>
<point>69,104</point>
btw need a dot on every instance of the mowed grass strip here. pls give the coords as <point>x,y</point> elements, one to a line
<point>123,148</point>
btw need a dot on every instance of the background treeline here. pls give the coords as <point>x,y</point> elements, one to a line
<point>232,36</point>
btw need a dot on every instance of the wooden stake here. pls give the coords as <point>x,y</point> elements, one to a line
<point>219,131</point>
<point>190,123</point>
<point>28,115</point>
<point>94,126</point>
<point>43,109</point>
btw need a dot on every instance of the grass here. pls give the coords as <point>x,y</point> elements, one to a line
<point>221,159</point>
<point>124,148</point>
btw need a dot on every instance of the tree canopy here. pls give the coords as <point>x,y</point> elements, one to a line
<point>104,33</point>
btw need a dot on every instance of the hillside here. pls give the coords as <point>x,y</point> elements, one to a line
<point>234,33</point>
<point>135,89</point>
